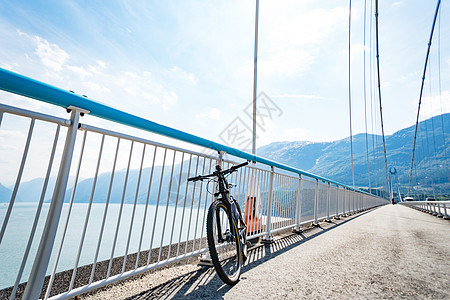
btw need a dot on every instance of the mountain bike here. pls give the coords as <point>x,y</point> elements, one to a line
<point>225,228</point>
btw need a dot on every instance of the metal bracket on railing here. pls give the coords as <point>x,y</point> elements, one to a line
<point>81,110</point>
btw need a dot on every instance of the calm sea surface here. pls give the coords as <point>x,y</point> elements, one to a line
<point>13,246</point>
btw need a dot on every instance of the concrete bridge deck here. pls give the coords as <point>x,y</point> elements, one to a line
<point>389,252</point>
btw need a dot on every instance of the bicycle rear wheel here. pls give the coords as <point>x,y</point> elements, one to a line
<point>223,242</point>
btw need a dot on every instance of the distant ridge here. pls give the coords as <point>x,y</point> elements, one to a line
<point>327,159</point>
<point>332,159</point>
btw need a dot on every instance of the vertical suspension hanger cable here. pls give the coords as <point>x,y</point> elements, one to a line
<point>349,87</point>
<point>374,150</point>
<point>365,98</point>
<point>379,93</point>
<point>255,63</point>
<point>440,97</point>
<point>421,90</point>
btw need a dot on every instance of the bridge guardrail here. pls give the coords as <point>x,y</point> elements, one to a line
<point>436,208</point>
<point>121,204</point>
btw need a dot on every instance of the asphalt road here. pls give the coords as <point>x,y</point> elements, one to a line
<point>393,252</point>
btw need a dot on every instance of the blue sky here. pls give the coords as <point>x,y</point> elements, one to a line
<point>189,64</point>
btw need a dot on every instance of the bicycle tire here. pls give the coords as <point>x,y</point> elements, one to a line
<point>225,252</point>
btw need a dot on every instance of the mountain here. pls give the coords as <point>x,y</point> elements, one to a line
<point>5,194</point>
<point>327,159</point>
<point>332,159</point>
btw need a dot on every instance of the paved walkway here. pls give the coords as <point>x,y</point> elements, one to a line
<point>390,252</point>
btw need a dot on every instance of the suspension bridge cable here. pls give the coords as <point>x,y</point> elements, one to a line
<point>372,97</point>
<point>349,87</point>
<point>365,98</point>
<point>421,90</point>
<point>379,93</point>
<point>440,93</point>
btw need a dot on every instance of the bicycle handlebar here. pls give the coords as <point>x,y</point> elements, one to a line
<point>230,170</point>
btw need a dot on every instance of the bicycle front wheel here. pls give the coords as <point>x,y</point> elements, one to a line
<point>223,242</point>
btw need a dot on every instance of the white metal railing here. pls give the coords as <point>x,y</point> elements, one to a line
<point>111,205</point>
<point>436,208</point>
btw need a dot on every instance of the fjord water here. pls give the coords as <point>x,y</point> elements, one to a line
<point>21,221</point>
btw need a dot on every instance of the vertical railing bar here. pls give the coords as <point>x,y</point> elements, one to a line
<point>176,204</point>
<point>251,183</point>
<point>328,202</point>
<point>277,202</point>
<point>198,207</point>
<point>274,207</point>
<point>184,205</point>
<point>157,206</point>
<point>316,202</point>
<point>337,202</point>
<point>38,212</point>
<point>42,258</point>
<point>105,212</point>
<point>293,200</point>
<point>282,201</point>
<point>298,211</point>
<point>262,203</point>
<point>134,210</point>
<point>268,196</point>
<point>286,202</point>
<point>241,198</point>
<point>119,217</point>
<point>260,182</point>
<point>167,206</point>
<point>18,179</point>
<point>254,181</point>
<point>144,218</point>
<point>52,276</point>
<point>248,192</point>
<point>268,238</point>
<point>192,207</point>
<point>205,209</point>
<point>1,118</point>
<point>86,221</point>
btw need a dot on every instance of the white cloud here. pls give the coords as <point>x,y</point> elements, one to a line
<point>190,77</point>
<point>50,54</point>
<point>296,134</point>
<point>79,71</point>
<point>131,75</point>
<point>213,114</point>
<point>398,3</point>
<point>297,96</point>
<point>434,105</point>
<point>97,87</point>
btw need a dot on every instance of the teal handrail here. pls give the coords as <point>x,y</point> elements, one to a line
<point>25,86</point>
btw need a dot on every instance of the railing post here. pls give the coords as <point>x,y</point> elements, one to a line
<point>446,216</point>
<point>328,203</point>
<point>316,201</point>
<point>298,211</point>
<point>36,279</point>
<point>268,237</point>
<point>337,203</point>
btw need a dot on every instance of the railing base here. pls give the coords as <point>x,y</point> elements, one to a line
<point>446,217</point>
<point>205,261</point>
<point>267,240</point>
<point>298,230</point>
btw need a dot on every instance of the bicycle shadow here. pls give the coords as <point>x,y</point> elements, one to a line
<point>204,283</point>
